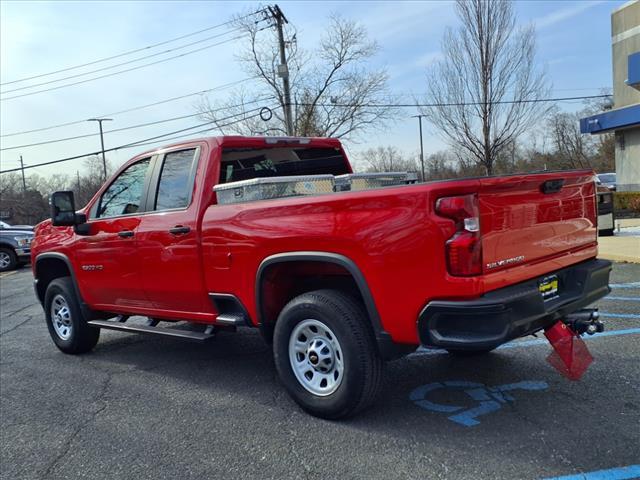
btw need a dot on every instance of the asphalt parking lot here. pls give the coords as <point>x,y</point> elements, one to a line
<point>148,407</point>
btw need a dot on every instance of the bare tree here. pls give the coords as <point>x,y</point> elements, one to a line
<point>333,92</point>
<point>571,149</point>
<point>385,159</point>
<point>442,165</point>
<point>486,89</point>
<point>32,206</point>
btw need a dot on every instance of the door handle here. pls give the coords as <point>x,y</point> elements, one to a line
<point>125,234</point>
<point>179,230</point>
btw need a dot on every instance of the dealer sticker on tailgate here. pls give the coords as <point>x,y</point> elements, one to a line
<point>548,287</point>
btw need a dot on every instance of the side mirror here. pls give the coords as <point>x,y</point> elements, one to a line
<point>63,210</point>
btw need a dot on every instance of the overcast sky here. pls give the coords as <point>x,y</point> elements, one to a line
<point>574,45</point>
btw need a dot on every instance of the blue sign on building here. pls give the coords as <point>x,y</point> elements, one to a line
<point>633,75</point>
<point>611,120</point>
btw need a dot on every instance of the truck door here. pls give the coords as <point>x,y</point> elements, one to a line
<point>108,267</point>
<point>168,237</point>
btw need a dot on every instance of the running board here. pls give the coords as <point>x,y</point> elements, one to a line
<point>167,332</point>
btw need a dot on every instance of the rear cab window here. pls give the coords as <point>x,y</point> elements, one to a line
<point>247,163</point>
<point>175,185</point>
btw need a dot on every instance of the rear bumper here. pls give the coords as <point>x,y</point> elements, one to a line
<point>502,315</point>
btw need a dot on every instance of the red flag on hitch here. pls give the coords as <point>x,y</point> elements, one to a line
<point>571,356</point>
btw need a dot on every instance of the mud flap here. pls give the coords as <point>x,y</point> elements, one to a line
<point>570,354</point>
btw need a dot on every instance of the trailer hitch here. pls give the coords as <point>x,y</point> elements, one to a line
<point>570,354</point>
<point>584,321</point>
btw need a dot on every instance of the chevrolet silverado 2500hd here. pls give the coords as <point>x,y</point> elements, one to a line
<point>278,234</point>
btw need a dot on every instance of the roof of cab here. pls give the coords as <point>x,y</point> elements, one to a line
<point>242,141</point>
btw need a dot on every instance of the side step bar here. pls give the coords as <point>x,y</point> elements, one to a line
<point>168,332</point>
<point>231,319</point>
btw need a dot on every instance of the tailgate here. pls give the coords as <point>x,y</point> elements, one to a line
<point>530,218</point>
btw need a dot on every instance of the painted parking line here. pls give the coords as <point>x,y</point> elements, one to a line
<point>623,299</point>
<point>537,341</point>
<point>622,473</point>
<point>619,315</point>
<point>625,285</point>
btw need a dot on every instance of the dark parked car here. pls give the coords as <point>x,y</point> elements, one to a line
<point>607,180</point>
<point>6,226</point>
<point>15,247</point>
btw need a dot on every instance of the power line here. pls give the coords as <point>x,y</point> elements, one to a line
<point>131,127</point>
<point>125,70</point>
<point>160,102</point>
<point>102,69</point>
<point>455,104</point>
<point>141,142</point>
<point>230,84</point>
<point>129,52</point>
<point>376,105</point>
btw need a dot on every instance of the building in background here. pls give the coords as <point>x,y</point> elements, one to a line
<point>624,117</point>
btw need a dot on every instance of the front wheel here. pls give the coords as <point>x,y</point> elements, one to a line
<point>326,355</point>
<point>67,326</point>
<point>8,259</point>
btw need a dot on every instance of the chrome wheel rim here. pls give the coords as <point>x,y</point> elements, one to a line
<point>5,260</point>
<point>61,317</point>
<point>316,357</point>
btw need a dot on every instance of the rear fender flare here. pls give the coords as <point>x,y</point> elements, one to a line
<point>383,339</point>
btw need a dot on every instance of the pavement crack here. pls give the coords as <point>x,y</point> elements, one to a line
<point>19,310</point>
<point>66,447</point>
<point>9,330</point>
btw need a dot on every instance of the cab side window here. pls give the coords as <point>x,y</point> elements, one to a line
<point>124,195</point>
<point>176,180</point>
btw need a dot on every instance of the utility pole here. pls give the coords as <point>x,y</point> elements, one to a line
<point>104,160</point>
<point>283,68</point>
<point>24,182</point>
<point>78,181</point>
<point>421,146</point>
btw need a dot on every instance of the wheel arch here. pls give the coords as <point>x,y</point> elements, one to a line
<point>49,266</point>
<point>355,280</point>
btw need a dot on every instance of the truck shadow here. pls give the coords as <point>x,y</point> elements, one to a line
<point>237,370</point>
<point>242,364</point>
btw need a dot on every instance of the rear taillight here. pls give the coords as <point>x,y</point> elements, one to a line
<point>464,248</point>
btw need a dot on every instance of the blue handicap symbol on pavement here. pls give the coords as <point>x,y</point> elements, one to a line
<point>489,399</point>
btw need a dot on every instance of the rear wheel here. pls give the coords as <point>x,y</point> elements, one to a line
<point>326,355</point>
<point>67,326</point>
<point>8,259</point>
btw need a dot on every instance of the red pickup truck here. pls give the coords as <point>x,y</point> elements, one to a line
<point>232,231</point>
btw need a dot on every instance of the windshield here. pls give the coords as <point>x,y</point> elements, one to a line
<point>246,163</point>
<point>607,177</point>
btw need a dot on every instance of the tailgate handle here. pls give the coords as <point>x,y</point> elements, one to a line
<point>552,186</point>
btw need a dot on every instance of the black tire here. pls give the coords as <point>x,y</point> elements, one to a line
<point>470,353</point>
<point>362,365</point>
<point>608,232</point>
<point>10,255</point>
<point>81,336</point>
